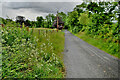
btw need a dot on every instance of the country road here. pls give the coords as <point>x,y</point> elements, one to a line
<point>83,60</point>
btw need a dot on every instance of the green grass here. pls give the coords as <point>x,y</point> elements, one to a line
<point>56,38</point>
<point>43,29</point>
<point>32,54</point>
<point>109,47</point>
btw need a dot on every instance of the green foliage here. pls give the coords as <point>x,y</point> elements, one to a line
<point>109,47</point>
<point>95,8</point>
<point>83,19</point>
<point>72,19</point>
<point>40,22</point>
<point>49,20</point>
<point>29,55</point>
<point>79,8</point>
<point>75,29</point>
<point>62,15</point>
<point>95,20</point>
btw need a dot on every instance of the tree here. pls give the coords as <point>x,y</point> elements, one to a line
<point>72,19</point>
<point>10,20</point>
<point>49,20</point>
<point>40,21</point>
<point>3,21</point>
<point>80,8</point>
<point>63,17</point>
<point>95,8</point>
<point>27,23</point>
<point>20,19</point>
<point>33,23</point>
<point>83,19</point>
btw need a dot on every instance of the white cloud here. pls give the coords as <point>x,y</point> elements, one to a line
<point>33,9</point>
<point>0,9</point>
<point>41,0</point>
<point>27,13</point>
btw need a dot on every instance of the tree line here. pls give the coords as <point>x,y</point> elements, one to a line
<point>40,21</point>
<point>98,19</point>
<point>95,19</point>
<point>88,16</point>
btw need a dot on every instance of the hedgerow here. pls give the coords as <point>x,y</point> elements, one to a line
<point>24,56</point>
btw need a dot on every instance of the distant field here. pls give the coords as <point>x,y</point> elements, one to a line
<point>44,28</point>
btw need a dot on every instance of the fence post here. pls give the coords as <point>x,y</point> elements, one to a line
<point>27,28</point>
<point>2,25</point>
<point>32,30</point>
<point>39,32</point>
<point>43,32</point>
<point>46,33</point>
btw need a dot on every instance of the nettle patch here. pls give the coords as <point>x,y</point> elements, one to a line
<point>24,56</point>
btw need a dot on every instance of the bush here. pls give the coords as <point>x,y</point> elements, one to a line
<point>23,58</point>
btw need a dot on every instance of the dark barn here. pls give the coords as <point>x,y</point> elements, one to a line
<point>60,23</point>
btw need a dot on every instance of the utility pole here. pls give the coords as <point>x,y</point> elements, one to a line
<point>57,21</point>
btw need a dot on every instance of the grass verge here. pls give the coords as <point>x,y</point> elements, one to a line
<point>108,47</point>
<point>53,42</point>
<point>33,54</point>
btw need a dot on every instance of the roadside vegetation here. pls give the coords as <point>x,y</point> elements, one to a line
<point>96,23</point>
<point>111,48</point>
<point>33,49</point>
<point>32,54</point>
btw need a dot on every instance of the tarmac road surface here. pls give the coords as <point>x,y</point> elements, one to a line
<point>83,60</point>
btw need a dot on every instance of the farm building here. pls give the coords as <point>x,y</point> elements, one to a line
<point>60,23</point>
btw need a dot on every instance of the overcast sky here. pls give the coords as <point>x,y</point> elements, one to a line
<point>30,9</point>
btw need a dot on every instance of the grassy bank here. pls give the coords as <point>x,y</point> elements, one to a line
<point>32,54</point>
<point>109,47</point>
<point>43,29</point>
<point>52,42</point>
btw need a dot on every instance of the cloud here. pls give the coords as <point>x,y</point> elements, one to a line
<point>48,7</point>
<point>33,9</point>
<point>41,0</point>
<point>0,9</point>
